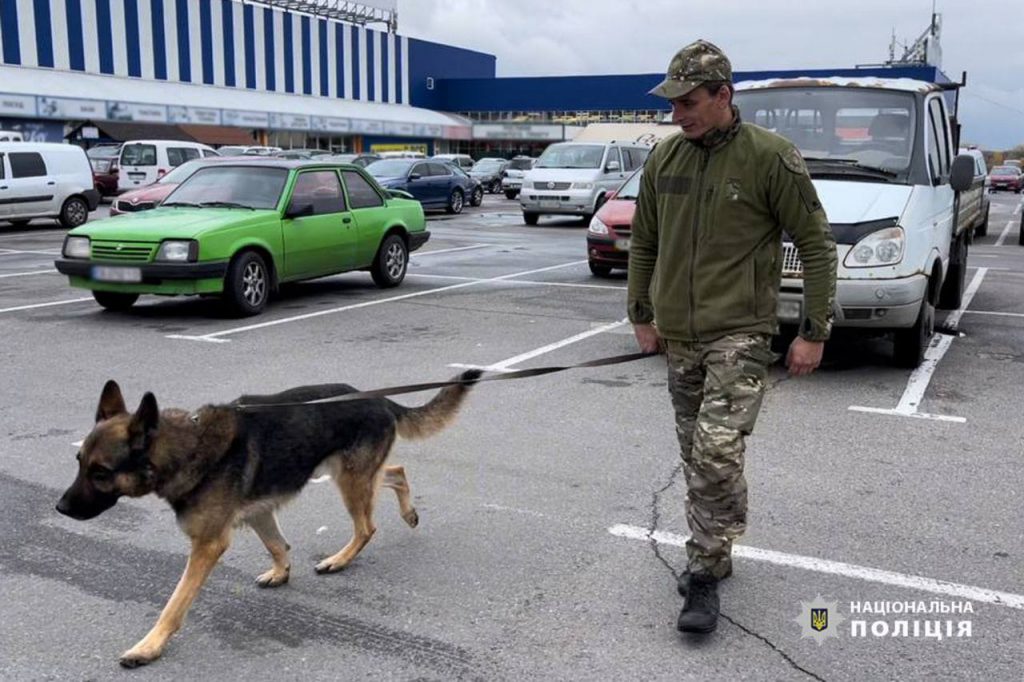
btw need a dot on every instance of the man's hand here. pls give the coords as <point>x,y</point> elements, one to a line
<point>647,337</point>
<point>804,356</point>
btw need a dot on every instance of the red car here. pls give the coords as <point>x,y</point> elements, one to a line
<point>104,168</point>
<point>609,233</point>
<point>150,196</point>
<point>1006,177</point>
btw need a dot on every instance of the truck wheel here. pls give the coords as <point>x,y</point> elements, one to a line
<point>392,261</point>
<point>910,344</point>
<point>511,194</point>
<point>113,300</point>
<point>953,286</point>
<point>530,218</point>
<point>247,284</point>
<point>982,229</point>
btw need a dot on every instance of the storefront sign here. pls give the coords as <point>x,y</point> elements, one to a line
<point>289,122</point>
<point>126,111</point>
<point>331,124</point>
<point>246,119</point>
<point>210,117</point>
<point>367,127</point>
<point>18,105</point>
<point>517,131</point>
<point>58,107</point>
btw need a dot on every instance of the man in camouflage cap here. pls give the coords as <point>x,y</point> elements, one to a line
<point>705,266</point>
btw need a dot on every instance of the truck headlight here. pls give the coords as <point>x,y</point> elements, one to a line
<point>583,185</point>
<point>178,251</point>
<point>77,247</point>
<point>598,227</point>
<point>884,247</point>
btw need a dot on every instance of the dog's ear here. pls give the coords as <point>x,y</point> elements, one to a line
<point>111,402</point>
<point>143,426</point>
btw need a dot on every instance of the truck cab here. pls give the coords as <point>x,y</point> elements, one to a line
<point>880,152</point>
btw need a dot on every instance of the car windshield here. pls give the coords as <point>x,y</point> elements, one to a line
<point>1005,170</point>
<point>854,126</point>
<point>103,152</point>
<point>246,186</point>
<point>571,156</point>
<point>487,166</point>
<point>179,174</point>
<point>630,188</point>
<point>389,168</point>
<point>521,164</point>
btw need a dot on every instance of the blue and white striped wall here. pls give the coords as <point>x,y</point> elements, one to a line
<point>214,42</point>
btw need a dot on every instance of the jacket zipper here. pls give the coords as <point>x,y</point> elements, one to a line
<point>696,229</point>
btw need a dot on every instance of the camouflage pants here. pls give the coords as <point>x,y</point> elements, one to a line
<point>716,391</point>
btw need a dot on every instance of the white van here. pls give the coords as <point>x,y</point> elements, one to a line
<point>573,178</point>
<point>143,162</point>
<point>881,155</point>
<point>11,136</point>
<point>45,180</point>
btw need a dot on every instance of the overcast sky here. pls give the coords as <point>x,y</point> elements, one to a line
<point>575,37</point>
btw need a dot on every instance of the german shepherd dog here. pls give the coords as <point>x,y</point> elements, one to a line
<point>221,466</point>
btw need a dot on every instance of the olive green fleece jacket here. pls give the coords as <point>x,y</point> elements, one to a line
<point>705,254</point>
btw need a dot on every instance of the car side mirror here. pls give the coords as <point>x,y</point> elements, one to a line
<point>613,166</point>
<point>961,175</point>
<point>415,176</point>
<point>302,210</point>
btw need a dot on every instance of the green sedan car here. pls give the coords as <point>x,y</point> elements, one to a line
<point>239,230</point>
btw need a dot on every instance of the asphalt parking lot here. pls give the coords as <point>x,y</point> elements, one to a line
<point>551,513</point>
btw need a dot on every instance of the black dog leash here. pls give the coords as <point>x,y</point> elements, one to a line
<point>414,388</point>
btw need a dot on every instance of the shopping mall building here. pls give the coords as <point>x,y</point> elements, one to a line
<point>289,73</point>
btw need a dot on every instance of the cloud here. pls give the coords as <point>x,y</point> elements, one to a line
<point>579,37</point>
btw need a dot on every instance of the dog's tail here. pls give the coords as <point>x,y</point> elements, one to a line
<point>420,422</point>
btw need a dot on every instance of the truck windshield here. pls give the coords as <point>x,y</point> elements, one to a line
<point>858,128</point>
<point>571,156</point>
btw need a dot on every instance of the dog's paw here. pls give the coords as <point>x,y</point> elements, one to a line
<point>273,578</point>
<point>412,518</point>
<point>137,656</point>
<point>328,566</point>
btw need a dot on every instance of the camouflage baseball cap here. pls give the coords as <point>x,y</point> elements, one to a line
<point>697,63</point>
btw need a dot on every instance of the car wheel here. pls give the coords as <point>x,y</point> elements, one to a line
<point>530,218</point>
<point>456,201</point>
<point>391,262</point>
<point>910,344</point>
<point>496,187</point>
<point>599,270</point>
<point>113,300</point>
<point>247,285</point>
<point>982,229</point>
<point>74,212</point>
<point>478,197</point>
<point>511,194</point>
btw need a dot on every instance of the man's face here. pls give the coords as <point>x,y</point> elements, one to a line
<point>697,112</point>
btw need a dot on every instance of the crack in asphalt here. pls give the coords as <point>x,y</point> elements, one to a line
<point>656,520</point>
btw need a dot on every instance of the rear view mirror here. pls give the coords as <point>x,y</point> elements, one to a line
<point>415,176</point>
<point>613,166</point>
<point>961,175</point>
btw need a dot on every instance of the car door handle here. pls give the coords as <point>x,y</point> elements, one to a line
<point>346,220</point>
<point>51,182</point>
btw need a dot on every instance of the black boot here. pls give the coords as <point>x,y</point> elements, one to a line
<point>683,583</point>
<point>700,611</point>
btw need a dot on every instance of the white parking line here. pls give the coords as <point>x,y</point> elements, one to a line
<point>1006,231</point>
<point>44,305</point>
<point>992,312</point>
<point>25,274</point>
<point>920,377</point>
<point>874,575</point>
<point>420,254</point>
<point>15,252</point>
<point>215,337</point>
<point>571,285</point>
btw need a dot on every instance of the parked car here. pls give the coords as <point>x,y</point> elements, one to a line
<point>45,180</point>
<point>1005,177</point>
<point>573,178</point>
<point>11,136</point>
<point>150,196</point>
<point>974,203</point>
<point>238,230</point>
<point>301,153</point>
<point>610,229</point>
<point>490,173</point>
<point>476,192</point>
<point>246,150</point>
<point>361,160</point>
<point>103,158</point>
<point>143,162</point>
<point>1017,163</point>
<point>463,161</point>
<point>434,184</point>
<point>402,154</point>
<point>513,180</point>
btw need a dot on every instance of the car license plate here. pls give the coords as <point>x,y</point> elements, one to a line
<point>789,310</point>
<point>622,244</point>
<point>549,203</point>
<point>137,176</point>
<point>106,274</point>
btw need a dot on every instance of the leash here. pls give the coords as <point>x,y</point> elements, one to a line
<point>414,388</point>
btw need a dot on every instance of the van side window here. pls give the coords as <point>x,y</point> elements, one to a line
<point>613,155</point>
<point>179,155</point>
<point>934,158</point>
<point>27,165</point>
<point>360,193</point>
<point>941,135</point>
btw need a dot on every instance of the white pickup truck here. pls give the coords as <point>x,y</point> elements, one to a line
<point>881,155</point>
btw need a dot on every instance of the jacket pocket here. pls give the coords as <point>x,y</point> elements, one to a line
<point>765,294</point>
